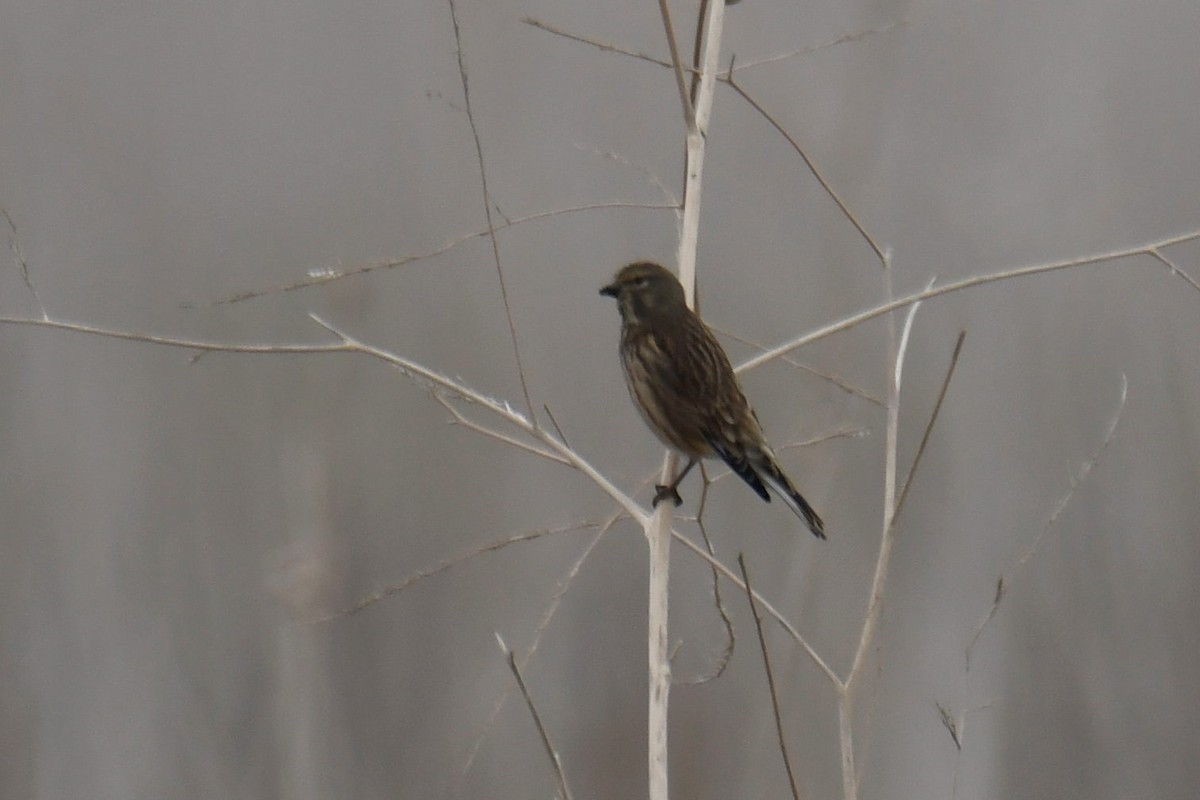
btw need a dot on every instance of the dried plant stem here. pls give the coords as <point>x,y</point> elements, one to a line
<point>320,277</point>
<point>685,100</point>
<point>487,206</point>
<point>563,790</point>
<point>812,167</point>
<point>658,529</point>
<point>898,345</point>
<point>766,656</point>
<point>1151,249</point>
<point>933,417</point>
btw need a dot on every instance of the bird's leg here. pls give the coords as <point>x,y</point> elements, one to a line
<point>671,490</point>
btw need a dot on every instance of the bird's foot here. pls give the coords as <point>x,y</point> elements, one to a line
<point>666,492</point>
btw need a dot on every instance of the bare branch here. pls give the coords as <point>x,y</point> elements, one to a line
<point>645,171</point>
<point>448,563</point>
<point>204,345</point>
<point>558,430</point>
<point>844,432</point>
<point>608,47</point>
<point>605,46</point>
<point>487,206</point>
<point>845,38</point>
<point>812,167</point>
<point>470,424</point>
<point>1084,470</point>
<point>834,379</point>
<point>563,790</point>
<point>967,283</point>
<point>730,638</point>
<point>1076,481</point>
<point>685,100</point>
<point>14,245</point>
<point>766,656</point>
<point>898,347</point>
<point>1175,270</point>
<point>766,604</point>
<point>543,625</point>
<point>951,726</point>
<point>424,376</point>
<point>501,409</point>
<point>322,276</point>
<point>937,409</point>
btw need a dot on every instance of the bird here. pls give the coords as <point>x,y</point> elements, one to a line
<point>682,383</point>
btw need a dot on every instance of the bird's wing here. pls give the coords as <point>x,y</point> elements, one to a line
<point>738,463</point>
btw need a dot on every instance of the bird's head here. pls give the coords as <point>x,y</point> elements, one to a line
<point>646,292</point>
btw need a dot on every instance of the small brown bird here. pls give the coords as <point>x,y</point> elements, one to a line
<point>682,383</point>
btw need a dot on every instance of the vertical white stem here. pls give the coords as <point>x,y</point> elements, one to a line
<point>658,532</point>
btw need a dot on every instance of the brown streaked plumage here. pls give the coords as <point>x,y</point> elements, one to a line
<point>684,386</point>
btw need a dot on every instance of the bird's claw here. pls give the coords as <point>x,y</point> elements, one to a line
<point>663,493</point>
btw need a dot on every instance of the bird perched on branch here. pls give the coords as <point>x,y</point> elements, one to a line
<point>684,386</point>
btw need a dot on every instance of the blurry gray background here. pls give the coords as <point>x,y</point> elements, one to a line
<point>166,522</point>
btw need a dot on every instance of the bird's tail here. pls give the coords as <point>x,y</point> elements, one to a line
<point>773,475</point>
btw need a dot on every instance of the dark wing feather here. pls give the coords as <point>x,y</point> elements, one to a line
<point>740,466</point>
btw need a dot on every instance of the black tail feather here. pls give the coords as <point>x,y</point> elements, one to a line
<point>792,498</point>
<point>762,467</point>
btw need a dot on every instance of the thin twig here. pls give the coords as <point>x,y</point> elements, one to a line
<point>956,286</point>
<point>834,379</point>
<point>448,563</point>
<point>879,582</point>
<point>1175,270</point>
<point>605,46</point>
<point>543,625</point>
<point>322,276</point>
<point>645,171</point>
<point>1076,481</point>
<point>470,424</point>
<point>204,345</point>
<point>844,432</point>
<point>897,350</point>
<point>685,100</point>
<point>554,422</point>
<point>609,47</point>
<point>845,38</point>
<point>14,244</point>
<point>812,167</point>
<point>937,409</point>
<point>424,376</point>
<point>429,377</point>
<point>766,604</point>
<point>950,724</point>
<point>487,206</point>
<point>766,657</point>
<point>730,638</point>
<point>563,790</point>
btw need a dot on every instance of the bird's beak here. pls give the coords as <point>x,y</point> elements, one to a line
<point>611,290</point>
